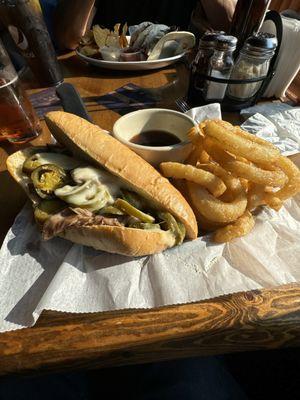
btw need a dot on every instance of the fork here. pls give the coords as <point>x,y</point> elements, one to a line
<point>182,105</point>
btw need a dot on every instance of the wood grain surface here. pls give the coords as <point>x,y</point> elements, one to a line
<point>239,322</point>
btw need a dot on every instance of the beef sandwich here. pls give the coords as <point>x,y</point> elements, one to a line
<point>93,190</point>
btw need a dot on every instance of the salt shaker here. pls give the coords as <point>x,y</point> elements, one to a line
<point>253,62</point>
<point>220,66</point>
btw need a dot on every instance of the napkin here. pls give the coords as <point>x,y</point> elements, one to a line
<point>127,98</point>
<point>281,128</point>
<point>288,57</point>
<point>209,111</point>
<point>45,101</point>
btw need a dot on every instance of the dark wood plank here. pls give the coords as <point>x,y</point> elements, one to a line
<point>240,322</point>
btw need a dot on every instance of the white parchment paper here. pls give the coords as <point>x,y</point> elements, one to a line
<point>281,128</point>
<point>58,275</point>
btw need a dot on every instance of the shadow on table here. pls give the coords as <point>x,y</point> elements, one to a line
<point>102,260</point>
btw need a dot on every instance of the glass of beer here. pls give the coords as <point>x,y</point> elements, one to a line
<point>18,121</point>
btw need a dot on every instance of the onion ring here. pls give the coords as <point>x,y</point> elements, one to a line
<point>293,185</point>
<point>232,183</point>
<point>241,227</point>
<point>239,145</point>
<point>249,136</point>
<point>257,196</point>
<point>198,153</point>
<point>255,174</point>
<point>204,178</point>
<point>205,224</point>
<point>214,209</point>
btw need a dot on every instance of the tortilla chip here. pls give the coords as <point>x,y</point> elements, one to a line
<point>117,28</point>
<point>112,40</point>
<point>87,38</point>
<point>89,50</point>
<point>100,35</point>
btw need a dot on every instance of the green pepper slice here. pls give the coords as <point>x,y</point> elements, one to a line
<point>129,209</point>
<point>46,208</point>
<point>44,194</point>
<point>176,227</point>
<point>32,162</point>
<point>134,199</point>
<point>48,177</point>
<point>144,225</point>
<point>43,157</point>
<point>111,210</point>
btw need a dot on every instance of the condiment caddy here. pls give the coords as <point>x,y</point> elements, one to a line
<point>234,79</point>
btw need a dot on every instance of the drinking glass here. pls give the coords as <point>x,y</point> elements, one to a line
<point>18,121</point>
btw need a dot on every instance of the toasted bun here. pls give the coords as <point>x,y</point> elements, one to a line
<point>121,240</point>
<point>88,141</point>
<point>113,239</point>
<point>14,165</point>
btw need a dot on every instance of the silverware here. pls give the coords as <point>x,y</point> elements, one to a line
<point>71,100</point>
<point>182,105</point>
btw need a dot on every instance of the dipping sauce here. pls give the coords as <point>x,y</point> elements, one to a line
<point>155,138</point>
<point>132,55</point>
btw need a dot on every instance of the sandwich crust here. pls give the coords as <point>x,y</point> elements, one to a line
<point>121,240</point>
<point>14,165</point>
<point>88,141</point>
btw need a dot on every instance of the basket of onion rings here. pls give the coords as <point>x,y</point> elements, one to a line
<point>229,174</point>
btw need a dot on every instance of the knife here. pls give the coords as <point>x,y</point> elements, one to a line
<point>71,100</point>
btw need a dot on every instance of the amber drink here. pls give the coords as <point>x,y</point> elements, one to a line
<point>18,121</point>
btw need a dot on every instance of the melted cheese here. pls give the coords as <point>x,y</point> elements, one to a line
<point>94,190</point>
<point>112,183</point>
<point>61,160</point>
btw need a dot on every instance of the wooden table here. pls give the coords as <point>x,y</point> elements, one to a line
<point>261,319</point>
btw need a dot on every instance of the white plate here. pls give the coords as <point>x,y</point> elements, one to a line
<point>131,65</point>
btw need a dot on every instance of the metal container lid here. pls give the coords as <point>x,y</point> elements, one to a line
<point>209,38</point>
<point>226,42</point>
<point>263,40</point>
<point>260,44</point>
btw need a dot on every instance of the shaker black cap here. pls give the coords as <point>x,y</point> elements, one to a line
<point>225,42</point>
<point>211,36</point>
<point>263,40</point>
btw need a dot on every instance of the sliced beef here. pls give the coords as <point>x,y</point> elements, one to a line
<point>75,217</point>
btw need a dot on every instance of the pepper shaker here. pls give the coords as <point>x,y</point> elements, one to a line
<point>200,66</point>
<point>220,66</point>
